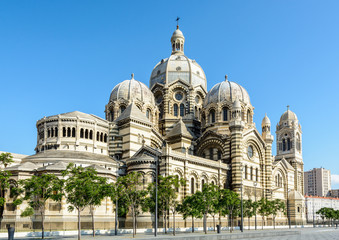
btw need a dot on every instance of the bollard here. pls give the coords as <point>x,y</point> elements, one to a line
<point>11,233</point>
<point>218,228</point>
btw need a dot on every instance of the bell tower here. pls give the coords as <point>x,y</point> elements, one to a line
<point>289,146</point>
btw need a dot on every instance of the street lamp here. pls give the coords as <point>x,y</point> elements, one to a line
<point>288,210</point>
<point>116,203</point>
<point>242,212</point>
<point>255,199</point>
<point>156,198</point>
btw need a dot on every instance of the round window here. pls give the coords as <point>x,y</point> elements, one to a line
<point>179,96</point>
<point>250,151</point>
<point>158,98</point>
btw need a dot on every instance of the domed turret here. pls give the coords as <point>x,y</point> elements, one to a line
<point>127,92</point>
<point>178,67</point>
<point>266,121</point>
<point>132,90</point>
<point>226,91</point>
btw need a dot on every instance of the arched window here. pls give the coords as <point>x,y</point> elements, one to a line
<point>73,132</point>
<point>122,109</point>
<point>86,133</point>
<point>147,113</point>
<point>219,154</point>
<point>105,138</point>
<point>212,182</point>
<point>284,145</point>
<point>278,180</point>
<point>91,134</point>
<point>225,114</point>
<point>175,110</point>
<point>56,132</point>
<point>81,133</point>
<point>248,116</point>
<point>64,132</point>
<point>196,112</point>
<point>251,173</point>
<point>288,144</point>
<point>48,133</point>
<point>211,153</point>
<point>202,184</point>
<point>98,136</point>
<point>256,174</point>
<point>298,142</point>
<point>52,132</point>
<point>246,172</point>
<point>182,110</point>
<point>69,132</point>
<point>192,185</point>
<point>101,137</point>
<point>112,114</point>
<point>212,116</point>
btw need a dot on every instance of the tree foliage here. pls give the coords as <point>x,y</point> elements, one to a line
<point>37,190</point>
<point>81,189</point>
<point>6,159</point>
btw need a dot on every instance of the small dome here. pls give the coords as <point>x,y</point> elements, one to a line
<point>266,121</point>
<point>288,115</point>
<point>226,91</point>
<point>132,90</point>
<point>177,33</point>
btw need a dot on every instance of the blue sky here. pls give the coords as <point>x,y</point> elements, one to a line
<point>61,56</point>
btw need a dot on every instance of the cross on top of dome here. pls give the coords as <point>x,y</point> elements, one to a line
<point>177,41</point>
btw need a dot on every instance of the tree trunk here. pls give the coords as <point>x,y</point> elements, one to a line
<point>273,222</point>
<point>42,225</point>
<point>214,223</point>
<point>205,228</point>
<point>79,225</point>
<point>173,223</point>
<point>192,224</point>
<point>231,220</point>
<point>133,217</point>
<point>262,223</point>
<point>249,223</point>
<point>92,215</point>
<point>165,223</point>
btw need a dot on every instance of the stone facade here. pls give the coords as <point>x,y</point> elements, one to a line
<point>199,135</point>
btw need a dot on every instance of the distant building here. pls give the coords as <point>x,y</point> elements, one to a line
<point>333,193</point>
<point>314,203</point>
<point>317,182</point>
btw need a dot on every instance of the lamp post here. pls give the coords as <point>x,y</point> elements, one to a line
<point>288,211</point>
<point>116,204</point>
<point>242,211</point>
<point>156,198</point>
<point>255,199</point>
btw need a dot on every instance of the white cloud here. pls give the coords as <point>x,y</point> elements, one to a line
<point>335,181</point>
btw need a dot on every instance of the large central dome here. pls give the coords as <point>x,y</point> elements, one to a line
<point>178,67</point>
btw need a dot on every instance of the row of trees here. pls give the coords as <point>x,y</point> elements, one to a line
<point>82,187</point>
<point>329,213</point>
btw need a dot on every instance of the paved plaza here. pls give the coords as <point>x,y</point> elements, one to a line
<point>281,234</point>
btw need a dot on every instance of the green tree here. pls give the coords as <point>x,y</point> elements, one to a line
<point>229,204</point>
<point>6,159</point>
<point>39,189</point>
<point>249,210</point>
<point>207,202</point>
<point>189,208</point>
<point>134,194</point>
<point>265,209</point>
<point>4,185</point>
<point>80,189</point>
<point>326,213</point>
<point>168,188</point>
<point>277,205</point>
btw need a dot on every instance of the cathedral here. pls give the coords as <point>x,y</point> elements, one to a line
<point>176,123</point>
